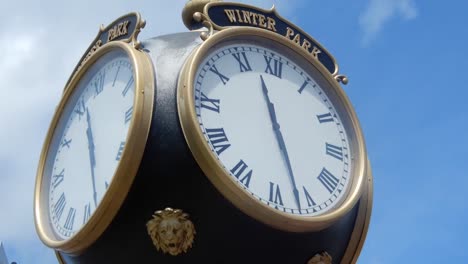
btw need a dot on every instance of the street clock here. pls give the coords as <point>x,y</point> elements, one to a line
<point>94,145</point>
<point>276,136</point>
<point>231,143</point>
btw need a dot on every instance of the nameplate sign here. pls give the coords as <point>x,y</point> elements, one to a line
<point>224,15</point>
<point>124,28</point>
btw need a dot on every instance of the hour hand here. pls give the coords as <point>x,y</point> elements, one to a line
<point>271,107</point>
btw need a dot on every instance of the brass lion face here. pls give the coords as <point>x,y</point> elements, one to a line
<point>322,258</point>
<point>171,231</point>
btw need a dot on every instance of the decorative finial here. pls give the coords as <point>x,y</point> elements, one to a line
<point>341,78</point>
<point>191,8</point>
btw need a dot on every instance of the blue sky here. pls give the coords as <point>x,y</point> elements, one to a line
<point>406,61</point>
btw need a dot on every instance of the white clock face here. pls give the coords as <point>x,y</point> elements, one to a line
<point>273,128</point>
<point>88,142</point>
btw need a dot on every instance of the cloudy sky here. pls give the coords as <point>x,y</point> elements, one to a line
<point>407,65</point>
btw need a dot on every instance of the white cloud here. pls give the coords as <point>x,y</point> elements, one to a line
<point>379,12</point>
<point>16,50</point>
<point>26,107</point>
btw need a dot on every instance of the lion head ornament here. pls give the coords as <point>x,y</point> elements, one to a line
<point>171,231</point>
<point>322,258</point>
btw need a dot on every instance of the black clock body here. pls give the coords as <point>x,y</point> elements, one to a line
<point>169,176</point>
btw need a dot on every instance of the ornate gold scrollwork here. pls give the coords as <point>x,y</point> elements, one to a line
<point>322,258</point>
<point>171,231</point>
<point>341,78</point>
<point>206,22</point>
<point>134,37</point>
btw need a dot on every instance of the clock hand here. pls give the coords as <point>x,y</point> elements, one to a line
<point>92,158</point>
<point>279,138</point>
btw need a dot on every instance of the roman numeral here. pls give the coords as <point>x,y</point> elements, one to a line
<point>128,86</point>
<point>328,180</point>
<point>66,143</point>
<point>119,152</point>
<point>59,206</point>
<point>276,69</point>
<point>128,115</point>
<point>275,194</point>
<point>218,139</point>
<point>99,83</point>
<point>309,199</point>
<point>210,104</point>
<point>116,74</point>
<point>238,171</point>
<point>57,179</point>
<point>223,78</point>
<point>334,151</point>
<point>243,62</point>
<point>303,86</point>
<point>325,118</point>
<point>70,219</point>
<point>80,108</point>
<point>87,213</point>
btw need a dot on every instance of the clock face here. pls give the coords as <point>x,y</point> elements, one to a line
<point>274,127</point>
<point>88,142</point>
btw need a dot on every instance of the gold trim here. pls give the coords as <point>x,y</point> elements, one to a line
<point>97,42</point>
<point>129,163</point>
<point>59,257</point>
<point>341,78</point>
<point>361,227</point>
<point>191,7</point>
<point>219,176</point>
<point>207,22</point>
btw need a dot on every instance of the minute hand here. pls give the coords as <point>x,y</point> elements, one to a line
<point>279,138</point>
<point>92,158</point>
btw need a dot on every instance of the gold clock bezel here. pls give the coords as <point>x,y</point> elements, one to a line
<point>126,169</point>
<point>215,171</point>
<point>361,225</point>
